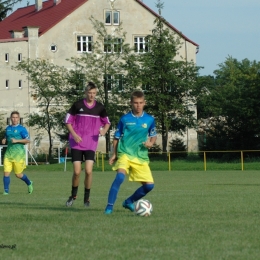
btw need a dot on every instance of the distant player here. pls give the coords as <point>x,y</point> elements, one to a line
<point>16,136</point>
<point>135,134</point>
<point>85,120</point>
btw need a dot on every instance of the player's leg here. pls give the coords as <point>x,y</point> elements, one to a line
<point>28,182</point>
<point>143,174</point>
<point>88,181</point>
<point>112,195</point>
<point>76,160</point>
<point>18,170</point>
<point>6,177</point>
<point>6,182</point>
<point>140,192</point>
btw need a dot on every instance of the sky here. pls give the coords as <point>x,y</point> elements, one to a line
<point>222,28</point>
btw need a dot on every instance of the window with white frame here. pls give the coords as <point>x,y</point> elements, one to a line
<point>112,17</point>
<point>84,43</point>
<point>146,87</point>
<point>53,47</point>
<point>115,82</point>
<point>19,57</point>
<point>141,44</point>
<point>7,57</point>
<point>113,45</point>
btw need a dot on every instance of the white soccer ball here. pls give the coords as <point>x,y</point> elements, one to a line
<point>143,208</point>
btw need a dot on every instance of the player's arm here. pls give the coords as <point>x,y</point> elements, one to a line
<point>152,136</point>
<point>4,141</point>
<point>150,142</point>
<point>113,158</point>
<point>76,137</point>
<point>20,141</point>
<point>104,129</point>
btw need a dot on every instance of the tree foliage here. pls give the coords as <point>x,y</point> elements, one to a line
<point>168,81</point>
<point>7,6</point>
<point>234,103</point>
<point>46,84</point>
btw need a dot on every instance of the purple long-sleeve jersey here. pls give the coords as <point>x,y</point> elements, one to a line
<point>86,122</point>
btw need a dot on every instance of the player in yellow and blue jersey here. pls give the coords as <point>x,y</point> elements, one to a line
<point>135,134</point>
<point>16,136</point>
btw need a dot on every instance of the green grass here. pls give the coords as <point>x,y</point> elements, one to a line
<point>197,215</point>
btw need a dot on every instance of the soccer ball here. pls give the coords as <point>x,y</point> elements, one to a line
<point>143,208</point>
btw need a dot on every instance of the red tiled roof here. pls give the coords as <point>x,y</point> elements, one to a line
<point>168,24</point>
<point>49,16</point>
<point>45,18</point>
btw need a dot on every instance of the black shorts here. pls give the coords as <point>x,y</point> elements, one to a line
<point>79,155</point>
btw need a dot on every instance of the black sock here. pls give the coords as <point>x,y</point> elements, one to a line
<point>86,194</point>
<point>74,191</point>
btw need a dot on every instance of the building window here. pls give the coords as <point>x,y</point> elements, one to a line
<point>7,84</point>
<point>112,17</point>
<point>113,45</point>
<point>119,81</point>
<point>146,87</point>
<point>108,82</point>
<point>53,47</point>
<point>141,44</point>
<point>20,83</point>
<point>115,82</point>
<point>7,57</point>
<point>19,57</point>
<point>84,43</point>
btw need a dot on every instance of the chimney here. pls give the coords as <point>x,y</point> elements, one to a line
<point>56,2</point>
<point>38,5</point>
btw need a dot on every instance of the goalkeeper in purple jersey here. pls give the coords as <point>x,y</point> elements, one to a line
<point>16,136</point>
<point>135,134</point>
<point>85,120</point>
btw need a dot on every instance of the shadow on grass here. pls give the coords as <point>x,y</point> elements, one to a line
<point>37,206</point>
<point>233,184</point>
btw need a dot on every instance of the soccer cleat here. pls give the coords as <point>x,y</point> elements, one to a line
<point>129,206</point>
<point>30,188</point>
<point>108,211</point>
<point>70,201</point>
<point>5,193</point>
<point>87,203</point>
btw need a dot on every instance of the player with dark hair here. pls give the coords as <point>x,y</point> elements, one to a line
<point>85,120</point>
<point>135,134</point>
<point>16,136</point>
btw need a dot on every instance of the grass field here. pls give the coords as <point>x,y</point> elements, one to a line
<point>197,215</point>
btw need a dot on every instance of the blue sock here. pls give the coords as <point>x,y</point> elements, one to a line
<point>139,193</point>
<point>114,190</point>
<point>6,181</point>
<point>25,179</point>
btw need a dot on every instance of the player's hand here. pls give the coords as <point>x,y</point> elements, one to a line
<point>13,140</point>
<point>148,144</point>
<point>102,132</point>
<point>4,141</point>
<point>77,138</point>
<point>112,159</point>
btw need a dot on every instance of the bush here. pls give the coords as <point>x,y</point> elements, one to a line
<point>177,145</point>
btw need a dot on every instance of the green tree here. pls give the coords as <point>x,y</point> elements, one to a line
<point>7,6</point>
<point>234,104</point>
<point>46,84</point>
<point>2,128</point>
<point>169,83</point>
